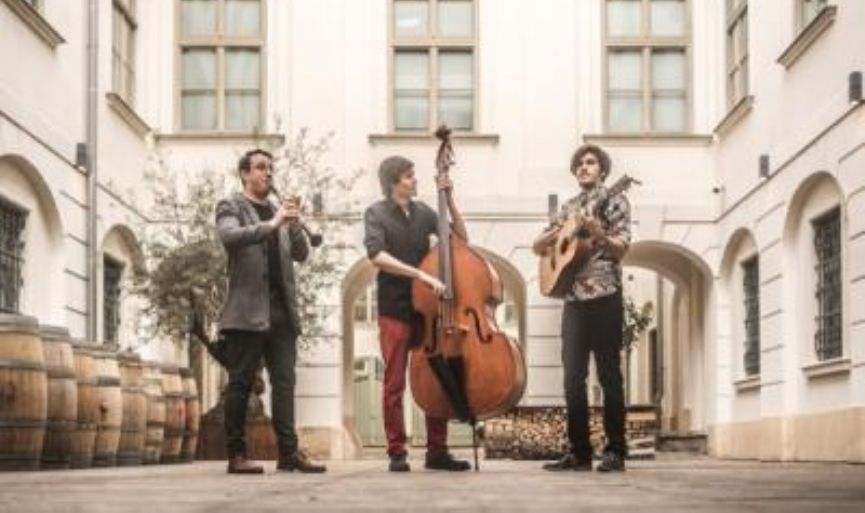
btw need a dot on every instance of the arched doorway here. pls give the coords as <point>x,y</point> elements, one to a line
<point>680,364</point>
<point>362,365</point>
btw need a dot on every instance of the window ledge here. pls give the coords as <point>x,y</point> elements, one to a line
<point>243,137</point>
<point>648,139</point>
<point>735,114</point>
<point>128,114</point>
<point>747,384</point>
<point>416,137</point>
<point>808,36</point>
<point>37,23</point>
<point>836,366</point>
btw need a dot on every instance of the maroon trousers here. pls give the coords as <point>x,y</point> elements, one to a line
<point>395,338</point>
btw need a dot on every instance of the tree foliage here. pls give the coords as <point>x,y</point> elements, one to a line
<point>635,322</point>
<point>187,261</point>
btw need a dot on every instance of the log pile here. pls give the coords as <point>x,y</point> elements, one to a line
<point>540,432</point>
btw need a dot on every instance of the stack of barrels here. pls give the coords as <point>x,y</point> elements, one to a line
<point>66,404</point>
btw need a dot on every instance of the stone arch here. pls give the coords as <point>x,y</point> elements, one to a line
<point>120,245</point>
<point>689,363</point>
<point>741,247</point>
<point>818,194</point>
<point>357,279</point>
<point>44,272</point>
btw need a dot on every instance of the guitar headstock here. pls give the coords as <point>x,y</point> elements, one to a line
<point>622,185</point>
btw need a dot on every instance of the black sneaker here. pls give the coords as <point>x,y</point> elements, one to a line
<point>399,463</point>
<point>612,462</point>
<point>569,462</point>
<point>444,461</point>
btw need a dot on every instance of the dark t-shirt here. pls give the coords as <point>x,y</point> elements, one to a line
<point>406,238</point>
<point>265,213</point>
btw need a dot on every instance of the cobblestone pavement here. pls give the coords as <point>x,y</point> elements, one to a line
<point>664,485</point>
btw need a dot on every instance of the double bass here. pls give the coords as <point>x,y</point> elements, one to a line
<point>464,367</point>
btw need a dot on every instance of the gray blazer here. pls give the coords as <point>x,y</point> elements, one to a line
<point>244,235</point>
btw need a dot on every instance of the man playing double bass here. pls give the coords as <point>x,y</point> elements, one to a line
<point>593,313</point>
<point>397,237</point>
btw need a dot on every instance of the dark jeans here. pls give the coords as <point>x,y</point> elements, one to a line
<point>244,351</point>
<point>594,326</point>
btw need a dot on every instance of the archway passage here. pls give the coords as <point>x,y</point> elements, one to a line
<point>363,366</point>
<point>672,366</point>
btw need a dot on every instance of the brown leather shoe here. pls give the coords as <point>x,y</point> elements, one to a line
<point>240,465</point>
<point>300,462</point>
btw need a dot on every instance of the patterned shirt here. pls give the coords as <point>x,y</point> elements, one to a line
<point>602,274</point>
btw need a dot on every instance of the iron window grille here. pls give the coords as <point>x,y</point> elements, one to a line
<point>827,243</point>
<point>12,221</point>
<point>751,286</point>
<point>113,271</point>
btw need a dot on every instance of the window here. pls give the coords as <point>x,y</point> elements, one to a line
<point>808,10</point>
<point>646,66</point>
<point>12,221</point>
<point>751,289</point>
<point>221,67</point>
<point>737,51</point>
<point>112,272</point>
<point>433,62</point>
<point>366,305</point>
<point>123,50</point>
<point>827,244</point>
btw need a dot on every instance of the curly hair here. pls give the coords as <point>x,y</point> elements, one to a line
<point>602,156</point>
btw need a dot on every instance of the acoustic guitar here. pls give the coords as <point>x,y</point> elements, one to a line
<point>562,261</point>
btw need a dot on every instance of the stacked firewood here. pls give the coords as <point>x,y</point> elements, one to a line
<point>540,432</point>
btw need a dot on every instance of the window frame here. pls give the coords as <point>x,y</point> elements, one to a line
<point>834,215</point>
<point>799,8</point>
<point>21,240</point>
<point>646,43</point>
<point>219,42</point>
<point>733,17</point>
<point>745,264</point>
<point>128,13</point>
<point>433,44</point>
<point>109,261</point>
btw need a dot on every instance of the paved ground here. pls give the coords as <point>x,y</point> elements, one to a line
<point>664,485</point>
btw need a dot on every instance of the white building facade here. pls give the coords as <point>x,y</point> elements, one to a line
<point>742,119</point>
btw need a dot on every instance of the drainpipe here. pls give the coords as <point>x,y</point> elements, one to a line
<point>92,88</point>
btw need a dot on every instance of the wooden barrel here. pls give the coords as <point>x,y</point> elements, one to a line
<point>193,415</point>
<point>133,429</point>
<point>62,397</point>
<point>83,439</point>
<point>110,400</point>
<point>155,412</point>
<point>175,414</point>
<point>23,393</point>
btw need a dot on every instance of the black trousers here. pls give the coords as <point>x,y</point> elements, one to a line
<point>594,326</point>
<point>245,349</point>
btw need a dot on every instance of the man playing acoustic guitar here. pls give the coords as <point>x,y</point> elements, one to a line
<point>593,311</point>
